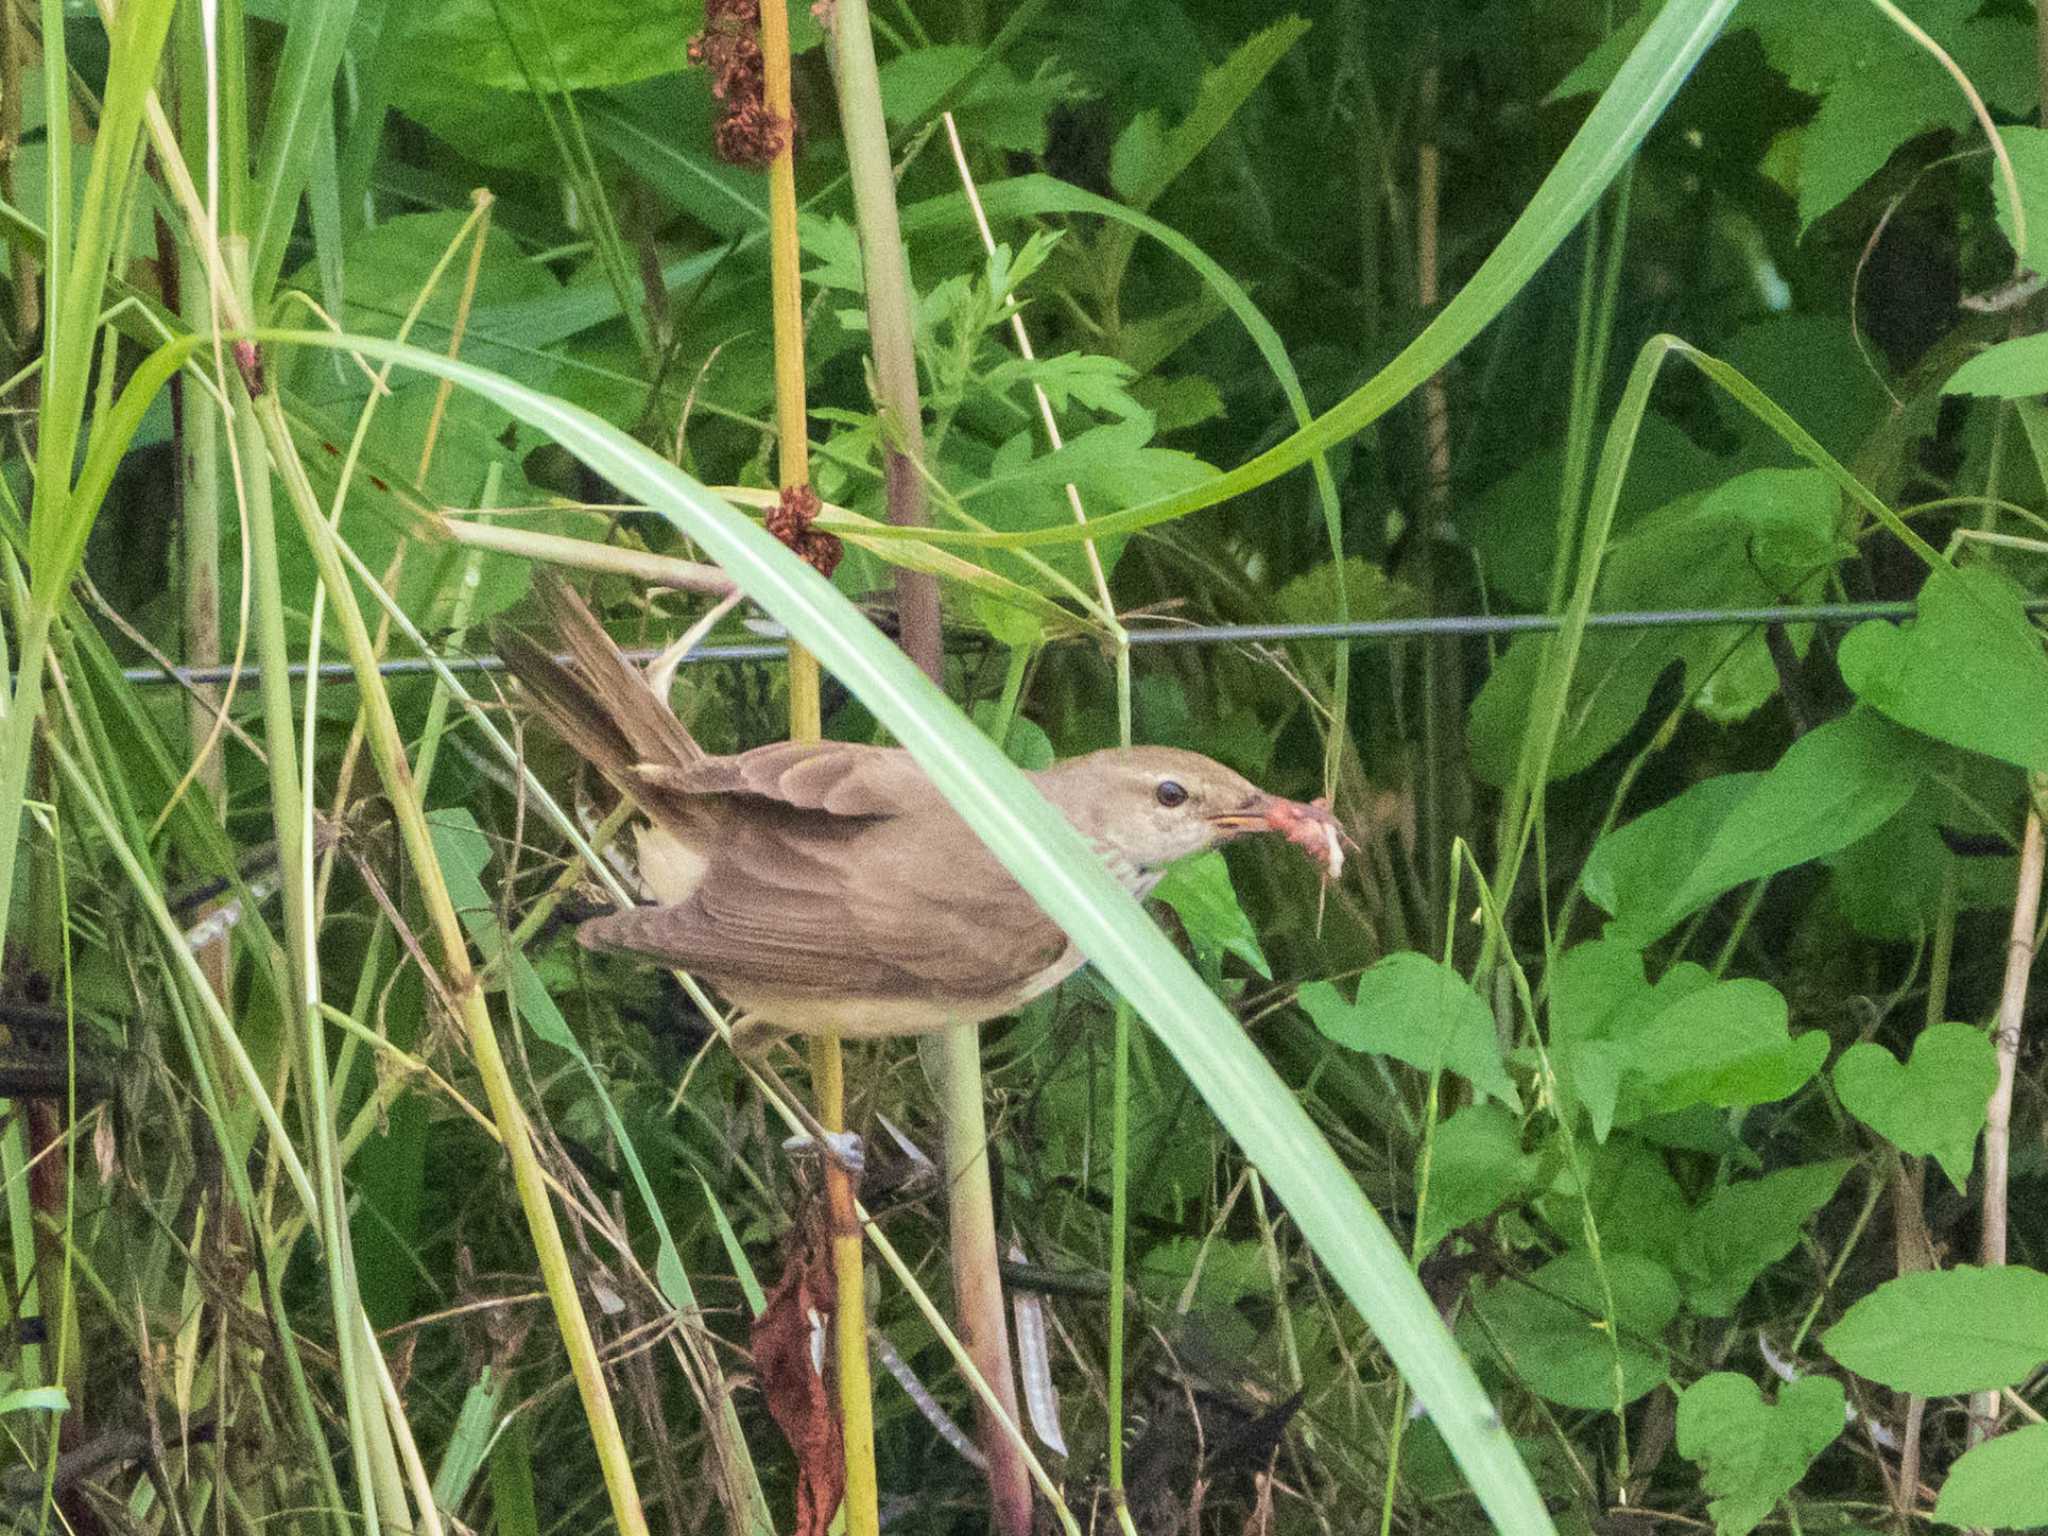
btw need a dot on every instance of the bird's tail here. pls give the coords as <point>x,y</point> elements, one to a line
<point>600,705</point>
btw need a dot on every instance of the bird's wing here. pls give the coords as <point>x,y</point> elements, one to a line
<point>827,905</point>
<point>836,777</point>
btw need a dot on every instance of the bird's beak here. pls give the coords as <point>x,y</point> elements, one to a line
<point>1309,826</point>
<point>1252,816</point>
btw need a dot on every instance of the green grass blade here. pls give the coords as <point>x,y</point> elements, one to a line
<point>1051,862</point>
<point>300,103</point>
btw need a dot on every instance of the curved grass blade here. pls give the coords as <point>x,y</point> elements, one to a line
<point>1051,862</point>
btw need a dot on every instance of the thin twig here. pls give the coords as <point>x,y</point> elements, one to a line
<point>2012,1002</point>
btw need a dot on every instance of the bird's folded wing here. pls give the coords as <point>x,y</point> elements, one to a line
<point>837,777</point>
<point>841,916</point>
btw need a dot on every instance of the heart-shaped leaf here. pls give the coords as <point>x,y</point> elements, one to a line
<point>1753,1453</point>
<point>1968,670</point>
<point>1934,1104</point>
<point>1746,1228</point>
<point>1725,1044</point>
<point>1419,1011</point>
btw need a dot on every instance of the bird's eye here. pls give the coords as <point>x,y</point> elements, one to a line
<point>1170,794</point>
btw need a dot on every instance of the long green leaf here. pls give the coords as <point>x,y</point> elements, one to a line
<point>1051,862</point>
<point>1641,90</point>
<point>301,109</point>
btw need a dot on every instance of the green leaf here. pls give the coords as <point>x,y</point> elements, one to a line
<point>1038,846</point>
<point>1753,1453</point>
<point>1833,785</point>
<point>1878,87</point>
<point>1746,1228</point>
<point>1635,1201</point>
<point>573,44</point>
<point>1724,1044</point>
<point>1754,539</point>
<point>1224,1272</point>
<point>24,1399</point>
<point>1201,895</point>
<point>2028,149</point>
<point>1940,1332</point>
<point>1968,670</point>
<point>1553,1334</point>
<point>1632,871</point>
<point>1865,117</point>
<point>1935,1104</point>
<point>2005,370</point>
<point>996,106</point>
<point>1419,1011</point>
<point>1476,1166</point>
<point>2002,1484</point>
<point>1590,987</point>
<point>1148,158</point>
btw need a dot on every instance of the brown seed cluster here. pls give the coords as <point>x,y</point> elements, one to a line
<point>729,47</point>
<point>790,521</point>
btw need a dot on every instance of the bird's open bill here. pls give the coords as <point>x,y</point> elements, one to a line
<point>1309,825</point>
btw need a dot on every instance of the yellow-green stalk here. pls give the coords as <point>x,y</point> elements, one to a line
<point>828,1067</point>
<point>970,1201</point>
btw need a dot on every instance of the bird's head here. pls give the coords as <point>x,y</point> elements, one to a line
<point>1147,806</point>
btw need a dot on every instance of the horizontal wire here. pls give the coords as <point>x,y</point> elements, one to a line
<point>1357,631</point>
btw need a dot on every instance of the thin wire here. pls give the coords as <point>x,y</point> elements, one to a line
<point>1358,631</point>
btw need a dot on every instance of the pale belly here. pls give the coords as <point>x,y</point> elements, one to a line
<point>873,1018</point>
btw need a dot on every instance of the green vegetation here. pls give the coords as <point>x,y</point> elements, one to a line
<point>1645,1130</point>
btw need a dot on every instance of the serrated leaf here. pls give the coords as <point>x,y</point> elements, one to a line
<point>1087,379</point>
<point>1931,1106</point>
<point>1753,1453</point>
<point>1146,161</point>
<point>2028,150</point>
<point>1865,117</point>
<point>996,106</point>
<point>1968,670</point>
<point>1419,1011</point>
<point>833,245</point>
<point>1941,1332</point>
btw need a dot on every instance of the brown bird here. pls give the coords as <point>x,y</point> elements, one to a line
<point>828,886</point>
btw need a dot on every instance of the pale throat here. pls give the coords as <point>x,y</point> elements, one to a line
<point>1132,877</point>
